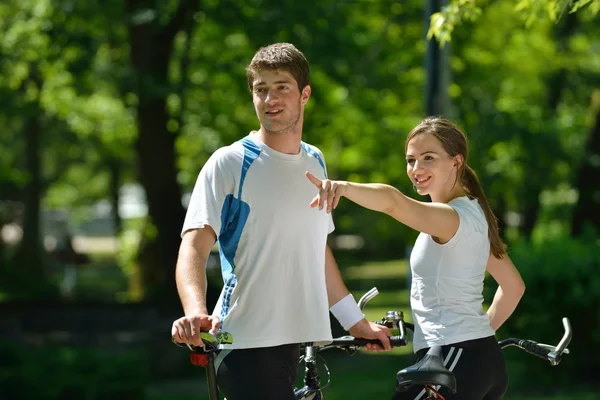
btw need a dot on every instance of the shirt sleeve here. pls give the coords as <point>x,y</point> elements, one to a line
<point>215,182</point>
<point>471,220</point>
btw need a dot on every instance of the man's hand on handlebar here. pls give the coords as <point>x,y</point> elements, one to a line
<point>186,330</point>
<point>369,330</point>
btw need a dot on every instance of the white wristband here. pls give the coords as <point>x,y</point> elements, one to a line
<point>347,312</point>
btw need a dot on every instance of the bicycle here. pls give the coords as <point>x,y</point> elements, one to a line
<point>429,372</point>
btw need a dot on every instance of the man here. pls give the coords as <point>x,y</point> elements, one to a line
<point>280,278</point>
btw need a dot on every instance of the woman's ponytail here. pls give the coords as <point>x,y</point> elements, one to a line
<point>474,189</point>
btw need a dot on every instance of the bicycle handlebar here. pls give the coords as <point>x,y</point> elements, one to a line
<point>205,354</point>
<point>394,319</point>
<point>547,352</point>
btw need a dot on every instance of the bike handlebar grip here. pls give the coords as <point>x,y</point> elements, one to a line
<point>533,348</point>
<point>212,341</point>
<point>395,341</point>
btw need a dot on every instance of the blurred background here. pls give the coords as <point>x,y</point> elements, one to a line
<point>109,109</point>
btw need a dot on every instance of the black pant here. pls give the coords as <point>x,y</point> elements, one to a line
<point>479,368</point>
<point>266,373</point>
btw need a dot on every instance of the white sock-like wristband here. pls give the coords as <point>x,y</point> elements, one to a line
<point>347,312</point>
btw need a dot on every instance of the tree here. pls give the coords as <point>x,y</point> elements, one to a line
<point>588,176</point>
<point>24,47</point>
<point>564,20</point>
<point>53,97</point>
<point>152,32</point>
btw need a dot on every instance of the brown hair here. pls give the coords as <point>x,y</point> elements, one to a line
<point>454,141</point>
<point>284,56</point>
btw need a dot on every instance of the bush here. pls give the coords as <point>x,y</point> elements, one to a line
<point>562,281</point>
<point>58,372</point>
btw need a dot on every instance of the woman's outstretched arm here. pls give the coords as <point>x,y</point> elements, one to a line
<point>437,219</point>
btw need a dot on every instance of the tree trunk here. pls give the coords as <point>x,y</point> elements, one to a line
<point>9,195</point>
<point>151,48</point>
<point>531,210</point>
<point>114,166</point>
<point>588,178</point>
<point>28,258</point>
<point>437,101</point>
<point>2,246</point>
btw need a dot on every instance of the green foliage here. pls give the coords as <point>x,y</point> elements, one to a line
<point>135,231</point>
<point>443,23</point>
<point>559,275</point>
<point>521,92</point>
<point>514,92</point>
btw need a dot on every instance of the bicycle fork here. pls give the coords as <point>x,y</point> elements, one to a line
<point>311,389</point>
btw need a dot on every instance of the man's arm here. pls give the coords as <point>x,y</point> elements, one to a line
<point>339,302</point>
<point>510,289</point>
<point>336,289</point>
<point>190,276</point>
<point>190,273</point>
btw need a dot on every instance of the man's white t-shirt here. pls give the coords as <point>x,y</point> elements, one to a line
<point>271,242</point>
<point>447,281</point>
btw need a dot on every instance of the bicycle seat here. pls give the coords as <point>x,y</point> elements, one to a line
<point>429,370</point>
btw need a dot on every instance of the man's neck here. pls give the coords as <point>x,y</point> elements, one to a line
<point>283,142</point>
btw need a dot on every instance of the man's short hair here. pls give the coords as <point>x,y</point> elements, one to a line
<point>280,56</point>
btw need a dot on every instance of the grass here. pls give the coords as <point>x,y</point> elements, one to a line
<point>387,276</point>
<point>377,270</point>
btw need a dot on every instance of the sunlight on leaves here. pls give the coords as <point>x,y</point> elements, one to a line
<point>443,23</point>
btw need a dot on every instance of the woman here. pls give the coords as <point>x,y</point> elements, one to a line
<point>459,240</point>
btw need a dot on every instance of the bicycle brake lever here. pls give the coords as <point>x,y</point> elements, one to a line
<point>385,323</point>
